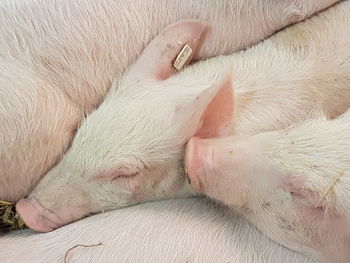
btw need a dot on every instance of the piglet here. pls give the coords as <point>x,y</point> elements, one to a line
<point>293,184</point>
<point>58,59</point>
<point>131,149</point>
<point>172,231</point>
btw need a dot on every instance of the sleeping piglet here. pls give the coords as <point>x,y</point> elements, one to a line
<point>293,184</point>
<point>131,149</point>
<point>58,60</point>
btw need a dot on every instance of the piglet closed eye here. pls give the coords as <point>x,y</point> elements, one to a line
<point>116,174</point>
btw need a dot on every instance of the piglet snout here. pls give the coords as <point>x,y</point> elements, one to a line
<point>199,162</point>
<point>36,216</point>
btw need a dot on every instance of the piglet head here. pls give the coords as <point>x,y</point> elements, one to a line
<point>244,172</point>
<point>130,150</point>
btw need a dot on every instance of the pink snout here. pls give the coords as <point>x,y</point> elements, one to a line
<point>37,217</point>
<point>199,162</point>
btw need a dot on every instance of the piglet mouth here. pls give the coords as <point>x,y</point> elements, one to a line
<point>198,163</point>
<point>36,216</point>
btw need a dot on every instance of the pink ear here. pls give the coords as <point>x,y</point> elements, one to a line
<point>156,61</point>
<point>218,113</point>
<point>209,114</point>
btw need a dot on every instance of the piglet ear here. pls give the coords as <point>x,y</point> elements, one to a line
<point>218,115</point>
<point>209,114</point>
<point>176,44</point>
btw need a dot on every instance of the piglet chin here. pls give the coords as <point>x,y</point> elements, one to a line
<point>36,216</point>
<point>199,162</point>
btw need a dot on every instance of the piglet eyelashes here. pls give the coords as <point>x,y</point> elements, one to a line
<point>116,174</point>
<point>125,176</point>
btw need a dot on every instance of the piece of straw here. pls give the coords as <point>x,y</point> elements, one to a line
<point>329,188</point>
<point>9,219</point>
<point>76,246</point>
